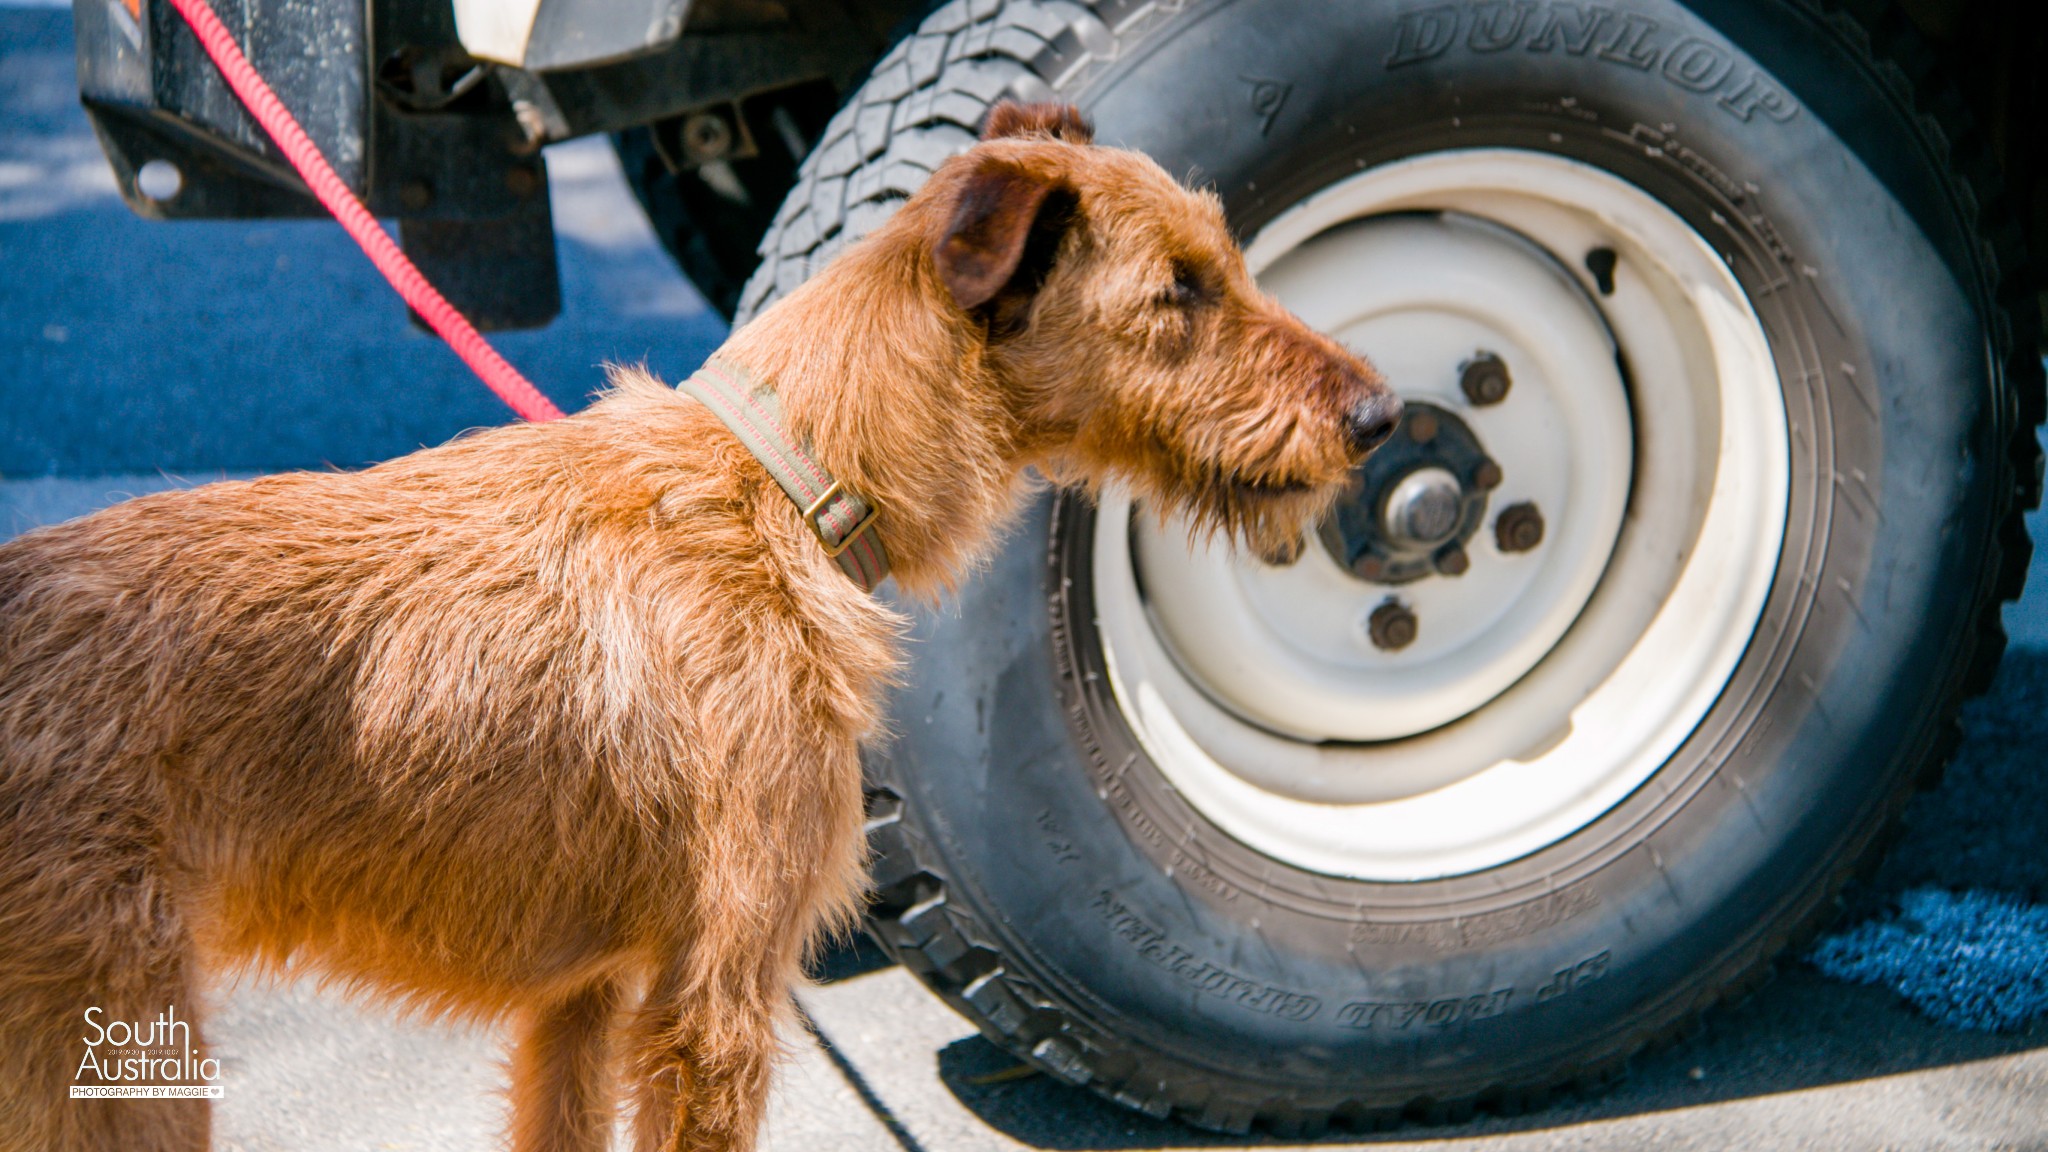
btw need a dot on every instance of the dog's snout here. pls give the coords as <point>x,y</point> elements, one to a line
<point>1374,419</point>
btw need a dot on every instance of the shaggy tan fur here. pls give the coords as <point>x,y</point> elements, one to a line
<point>560,722</point>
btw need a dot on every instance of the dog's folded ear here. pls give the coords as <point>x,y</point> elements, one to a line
<point>1004,230</point>
<point>1061,121</point>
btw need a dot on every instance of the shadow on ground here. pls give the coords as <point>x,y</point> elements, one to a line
<point>1983,828</point>
<point>856,955</point>
<point>1801,1031</point>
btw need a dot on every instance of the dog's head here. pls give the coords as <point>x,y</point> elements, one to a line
<point>1119,314</point>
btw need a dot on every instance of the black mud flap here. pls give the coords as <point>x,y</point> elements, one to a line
<point>402,119</point>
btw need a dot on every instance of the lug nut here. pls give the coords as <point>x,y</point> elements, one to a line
<point>1486,477</point>
<point>1422,427</point>
<point>1391,626</point>
<point>1369,567</point>
<point>1485,380</point>
<point>1451,560</point>
<point>1518,528</point>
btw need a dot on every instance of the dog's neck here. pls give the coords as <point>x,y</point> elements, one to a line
<point>890,384</point>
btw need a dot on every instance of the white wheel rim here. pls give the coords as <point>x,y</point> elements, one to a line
<point>1554,682</point>
<point>1420,295</point>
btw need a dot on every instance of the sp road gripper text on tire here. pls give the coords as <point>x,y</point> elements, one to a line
<point>924,103</point>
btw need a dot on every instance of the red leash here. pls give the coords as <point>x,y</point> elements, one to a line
<point>511,387</point>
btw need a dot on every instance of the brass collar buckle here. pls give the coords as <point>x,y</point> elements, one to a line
<point>818,507</point>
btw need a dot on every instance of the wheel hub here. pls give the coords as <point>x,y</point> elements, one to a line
<point>1422,510</point>
<point>1416,503</point>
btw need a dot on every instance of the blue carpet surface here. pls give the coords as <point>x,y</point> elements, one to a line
<point>1967,959</point>
<point>1956,918</point>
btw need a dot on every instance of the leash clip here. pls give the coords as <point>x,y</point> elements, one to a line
<point>833,492</point>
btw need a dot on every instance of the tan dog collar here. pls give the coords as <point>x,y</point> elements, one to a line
<point>843,522</point>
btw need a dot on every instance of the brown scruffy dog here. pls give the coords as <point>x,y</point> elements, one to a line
<point>560,722</point>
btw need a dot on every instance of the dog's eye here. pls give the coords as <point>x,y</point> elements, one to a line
<point>1187,289</point>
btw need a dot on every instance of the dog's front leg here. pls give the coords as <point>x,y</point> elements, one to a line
<point>561,1074</point>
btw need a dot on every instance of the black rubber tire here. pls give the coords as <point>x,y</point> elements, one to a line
<point>1029,864</point>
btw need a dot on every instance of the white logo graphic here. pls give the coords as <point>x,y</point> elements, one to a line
<point>143,1060</point>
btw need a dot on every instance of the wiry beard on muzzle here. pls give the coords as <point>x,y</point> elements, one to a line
<point>1272,523</point>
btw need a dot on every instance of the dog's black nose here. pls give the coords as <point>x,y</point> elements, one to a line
<point>1373,421</point>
